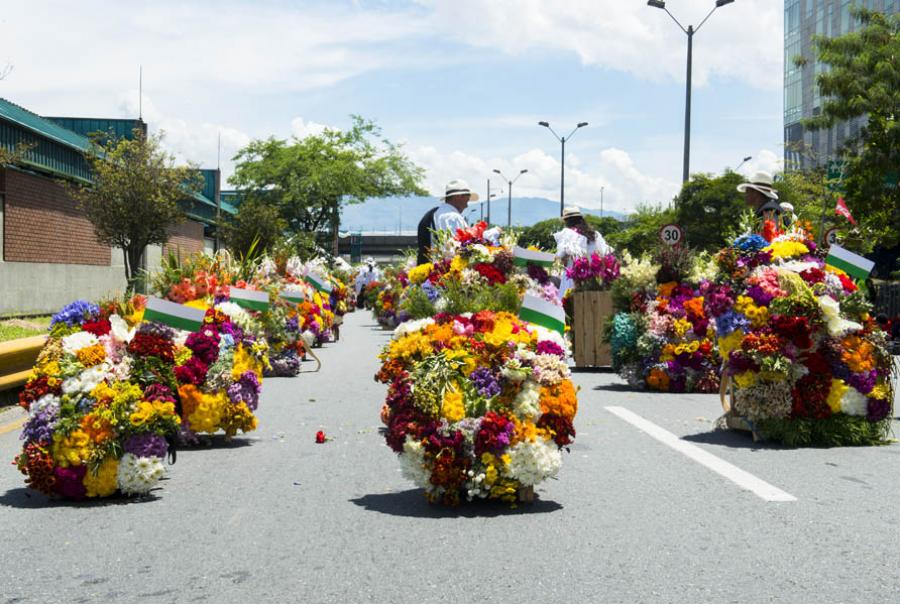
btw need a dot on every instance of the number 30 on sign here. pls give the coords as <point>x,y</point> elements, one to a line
<point>671,234</point>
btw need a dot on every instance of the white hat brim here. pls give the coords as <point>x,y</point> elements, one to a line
<point>770,193</point>
<point>473,196</point>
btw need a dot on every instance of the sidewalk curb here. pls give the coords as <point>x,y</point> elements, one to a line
<point>12,419</point>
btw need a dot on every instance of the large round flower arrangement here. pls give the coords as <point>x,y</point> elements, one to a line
<point>478,406</point>
<point>101,404</point>
<point>667,342</point>
<point>807,362</point>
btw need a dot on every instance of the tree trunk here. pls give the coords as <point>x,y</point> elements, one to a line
<point>133,255</point>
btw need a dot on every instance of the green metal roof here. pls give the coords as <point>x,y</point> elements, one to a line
<point>112,127</point>
<point>42,126</point>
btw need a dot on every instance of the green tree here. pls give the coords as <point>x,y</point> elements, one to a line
<point>309,179</point>
<point>707,207</point>
<point>640,231</point>
<point>257,226</point>
<point>862,79</point>
<point>133,198</point>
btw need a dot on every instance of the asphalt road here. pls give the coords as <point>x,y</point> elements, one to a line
<point>274,517</point>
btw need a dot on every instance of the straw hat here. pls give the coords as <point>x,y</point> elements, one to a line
<point>762,182</point>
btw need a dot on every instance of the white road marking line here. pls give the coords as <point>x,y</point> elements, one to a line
<point>743,479</point>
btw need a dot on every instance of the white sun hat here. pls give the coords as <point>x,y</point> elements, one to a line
<point>571,212</point>
<point>762,182</point>
<point>459,187</point>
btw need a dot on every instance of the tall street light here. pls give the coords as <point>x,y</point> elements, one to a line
<point>509,184</point>
<point>744,161</point>
<point>690,31</point>
<point>562,170</point>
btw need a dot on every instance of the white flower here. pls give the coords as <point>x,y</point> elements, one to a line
<point>138,475</point>
<point>854,402</point>
<point>75,342</point>
<point>534,462</point>
<point>549,335</point>
<point>796,266</point>
<point>831,311</point>
<point>267,268</point>
<point>87,380</point>
<point>492,236</point>
<point>404,329</point>
<point>412,463</point>
<point>234,312</point>
<point>120,330</point>
<point>294,267</point>
<point>528,401</point>
<point>45,402</point>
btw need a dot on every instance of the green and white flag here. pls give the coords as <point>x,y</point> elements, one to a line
<point>319,282</point>
<point>523,257</point>
<point>174,315</point>
<point>541,312</point>
<point>297,297</point>
<point>249,299</point>
<point>854,265</point>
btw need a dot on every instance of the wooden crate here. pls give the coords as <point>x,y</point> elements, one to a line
<point>590,311</point>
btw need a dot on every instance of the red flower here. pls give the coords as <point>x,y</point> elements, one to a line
<point>849,286</point>
<point>491,273</point>
<point>483,321</point>
<point>813,275</point>
<point>100,327</point>
<point>320,437</point>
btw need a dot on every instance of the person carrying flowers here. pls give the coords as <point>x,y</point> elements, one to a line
<point>576,239</point>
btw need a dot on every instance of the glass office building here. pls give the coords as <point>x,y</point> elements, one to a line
<point>804,19</point>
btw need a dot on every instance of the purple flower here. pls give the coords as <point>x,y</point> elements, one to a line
<point>538,273</point>
<point>485,382</point>
<point>76,313</point>
<point>159,392</point>
<point>39,427</point>
<point>865,381</point>
<point>245,390</point>
<point>292,324</point>
<point>719,300</point>
<point>157,329</point>
<point>70,481</point>
<point>286,364</point>
<point>760,297</point>
<point>878,409</point>
<point>548,347</point>
<point>146,444</point>
<point>204,344</point>
<point>730,322</point>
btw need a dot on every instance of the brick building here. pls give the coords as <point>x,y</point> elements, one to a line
<point>49,255</point>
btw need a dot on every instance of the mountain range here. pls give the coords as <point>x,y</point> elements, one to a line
<point>402,214</point>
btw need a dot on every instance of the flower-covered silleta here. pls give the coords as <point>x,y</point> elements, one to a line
<point>102,405</point>
<point>807,363</point>
<point>594,272</point>
<point>479,405</point>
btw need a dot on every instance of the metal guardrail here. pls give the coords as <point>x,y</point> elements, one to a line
<point>17,357</point>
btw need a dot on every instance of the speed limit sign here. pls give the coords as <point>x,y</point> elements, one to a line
<point>831,236</point>
<point>671,234</point>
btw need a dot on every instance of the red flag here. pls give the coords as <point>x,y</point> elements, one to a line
<point>841,210</point>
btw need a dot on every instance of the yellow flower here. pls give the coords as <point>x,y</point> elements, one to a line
<point>457,264</point>
<point>71,450</point>
<point>730,342</point>
<point>245,361</point>
<point>745,379</point>
<point>787,249</point>
<point>452,408</point>
<point>182,355</point>
<point>838,388</point>
<point>103,483</point>
<point>681,327</point>
<point>102,392</point>
<point>419,274</point>
<point>198,303</point>
<point>147,412</point>
<point>207,416</point>
<point>881,392</point>
<point>91,355</point>
<point>237,417</point>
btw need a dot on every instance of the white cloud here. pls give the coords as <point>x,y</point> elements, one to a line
<point>302,129</point>
<point>624,184</point>
<point>741,41</point>
<point>764,161</point>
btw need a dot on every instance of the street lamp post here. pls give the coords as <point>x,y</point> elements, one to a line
<point>744,161</point>
<point>690,31</point>
<point>509,184</point>
<point>601,202</point>
<point>562,170</point>
<point>490,196</point>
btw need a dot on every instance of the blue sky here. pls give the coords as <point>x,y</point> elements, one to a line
<point>461,83</point>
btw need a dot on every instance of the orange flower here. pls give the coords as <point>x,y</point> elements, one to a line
<point>858,354</point>
<point>665,290</point>
<point>560,399</point>
<point>91,355</point>
<point>97,428</point>
<point>658,380</point>
<point>694,308</point>
<point>190,397</point>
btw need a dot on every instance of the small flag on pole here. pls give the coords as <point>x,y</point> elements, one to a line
<point>854,265</point>
<point>541,312</point>
<point>524,257</point>
<point>174,315</point>
<point>297,297</point>
<point>841,209</point>
<point>319,282</point>
<point>249,299</point>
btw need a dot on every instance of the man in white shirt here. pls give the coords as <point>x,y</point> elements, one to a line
<point>446,217</point>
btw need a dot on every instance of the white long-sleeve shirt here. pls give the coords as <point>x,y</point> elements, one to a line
<point>448,218</point>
